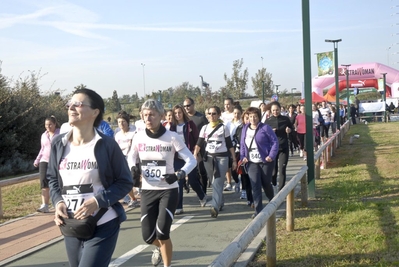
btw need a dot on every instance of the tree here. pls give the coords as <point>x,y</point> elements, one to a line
<point>237,84</point>
<point>257,84</point>
<point>114,104</point>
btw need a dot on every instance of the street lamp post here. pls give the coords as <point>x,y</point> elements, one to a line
<point>142,64</point>
<point>263,91</point>
<point>335,42</point>
<point>385,95</point>
<point>292,94</point>
<point>347,88</point>
<point>277,85</point>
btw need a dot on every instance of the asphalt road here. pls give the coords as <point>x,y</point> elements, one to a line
<point>197,238</point>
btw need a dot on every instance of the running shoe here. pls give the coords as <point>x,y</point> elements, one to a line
<point>43,208</point>
<point>156,257</point>
<point>243,195</point>
<point>203,201</point>
<point>178,211</point>
<point>228,188</point>
<point>214,212</point>
<point>133,204</point>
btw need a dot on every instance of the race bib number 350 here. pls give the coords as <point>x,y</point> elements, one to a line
<point>153,170</point>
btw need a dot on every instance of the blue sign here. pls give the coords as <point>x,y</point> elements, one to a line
<point>274,97</point>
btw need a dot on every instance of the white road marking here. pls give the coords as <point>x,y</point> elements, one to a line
<point>131,253</point>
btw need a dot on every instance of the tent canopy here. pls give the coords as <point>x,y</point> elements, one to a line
<point>315,98</point>
<point>332,99</point>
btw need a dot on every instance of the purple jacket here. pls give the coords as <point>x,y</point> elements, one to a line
<point>265,139</point>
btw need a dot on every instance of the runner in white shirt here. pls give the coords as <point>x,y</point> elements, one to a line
<point>218,149</point>
<point>156,148</point>
<point>124,138</point>
<point>326,113</point>
<point>227,117</point>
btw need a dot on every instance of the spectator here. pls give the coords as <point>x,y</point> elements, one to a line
<point>52,130</point>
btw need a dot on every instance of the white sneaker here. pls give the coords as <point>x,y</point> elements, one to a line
<point>243,195</point>
<point>178,211</point>
<point>133,204</point>
<point>203,201</point>
<point>228,188</point>
<point>237,187</point>
<point>126,199</point>
<point>43,208</point>
<point>156,257</point>
<point>301,153</point>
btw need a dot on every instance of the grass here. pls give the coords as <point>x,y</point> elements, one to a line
<point>353,221</point>
<point>20,199</point>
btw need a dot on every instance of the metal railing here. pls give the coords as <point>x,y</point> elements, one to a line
<point>268,215</point>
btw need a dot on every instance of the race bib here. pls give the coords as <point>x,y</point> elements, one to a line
<point>153,170</point>
<point>75,195</point>
<point>254,156</point>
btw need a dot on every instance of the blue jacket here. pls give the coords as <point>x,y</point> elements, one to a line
<point>112,167</point>
<point>265,139</point>
<point>105,129</point>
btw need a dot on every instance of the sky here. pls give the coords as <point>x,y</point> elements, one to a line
<point>146,46</point>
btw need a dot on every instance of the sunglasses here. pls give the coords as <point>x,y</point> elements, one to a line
<point>212,113</point>
<point>76,104</point>
<point>186,106</point>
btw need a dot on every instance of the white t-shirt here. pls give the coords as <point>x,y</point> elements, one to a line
<point>79,173</point>
<point>125,140</point>
<point>253,153</point>
<point>315,118</point>
<point>140,125</point>
<point>227,117</point>
<point>157,158</point>
<point>217,142</point>
<point>325,113</point>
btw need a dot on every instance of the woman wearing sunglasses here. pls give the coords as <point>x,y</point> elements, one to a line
<point>258,150</point>
<point>218,146</point>
<point>88,172</point>
<point>188,132</point>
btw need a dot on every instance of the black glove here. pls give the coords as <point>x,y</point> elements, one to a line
<point>135,172</point>
<point>170,178</point>
<point>181,174</point>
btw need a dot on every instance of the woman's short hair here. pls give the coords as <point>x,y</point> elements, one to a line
<point>96,102</point>
<point>253,110</point>
<point>218,111</point>
<point>123,115</point>
<point>154,105</point>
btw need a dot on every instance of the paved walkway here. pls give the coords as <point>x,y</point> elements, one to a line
<point>23,236</point>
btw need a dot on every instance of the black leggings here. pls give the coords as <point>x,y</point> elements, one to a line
<point>280,167</point>
<point>293,141</point>
<point>157,209</point>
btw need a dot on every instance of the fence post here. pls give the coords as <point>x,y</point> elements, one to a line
<point>1,205</point>
<point>304,190</point>
<point>317,168</point>
<point>290,212</point>
<point>271,255</point>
